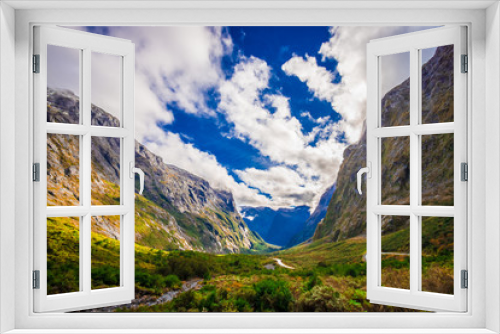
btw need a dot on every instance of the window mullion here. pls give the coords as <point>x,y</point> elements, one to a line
<point>414,170</point>
<point>86,182</point>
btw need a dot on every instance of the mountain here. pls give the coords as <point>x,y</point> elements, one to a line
<point>319,213</point>
<point>346,213</point>
<point>258,219</point>
<point>178,210</point>
<point>276,227</point>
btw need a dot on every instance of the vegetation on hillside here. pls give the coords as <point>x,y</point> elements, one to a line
<point>177,238</point>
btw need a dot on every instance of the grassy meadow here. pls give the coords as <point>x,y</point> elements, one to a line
<point>327,276</point>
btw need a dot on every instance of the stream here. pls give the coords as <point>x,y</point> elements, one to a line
<point>170,295</point>
<point>150,300</point>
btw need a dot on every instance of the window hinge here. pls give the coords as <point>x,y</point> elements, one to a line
<point>36,63</point>
<point>36,172</point>
<point>464,171</point>
<point>36,279</point>
<point>465,63</point>
<point>465,279</point>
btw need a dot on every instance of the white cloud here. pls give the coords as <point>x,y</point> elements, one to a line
<point>264,120</point>
<point>174,151</point>
<point>318,79</point>
<point>181,65</point>
<point>285,185</point>
<point>348,47</point>
<point>174,65</point>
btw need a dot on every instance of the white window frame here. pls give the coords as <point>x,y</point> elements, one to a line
<point>86,44</point>
<point>412,44</point>
<point>484,103</point>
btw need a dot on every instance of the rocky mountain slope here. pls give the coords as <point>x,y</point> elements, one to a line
<point>346,214</point>
<point>312,222</point>
<point>276,227</point>
<point>178,210</point>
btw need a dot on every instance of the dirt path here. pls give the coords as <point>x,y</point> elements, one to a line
<point>281,264</point>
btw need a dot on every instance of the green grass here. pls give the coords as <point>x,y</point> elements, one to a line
<point>329,277</point>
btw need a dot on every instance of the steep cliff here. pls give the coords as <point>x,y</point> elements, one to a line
<point>346,214</point>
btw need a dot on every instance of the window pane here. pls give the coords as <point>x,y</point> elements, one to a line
<point>105,252</point>
<point>63,170</point>
<point>395,250</point>
<point>106,90</point>
<point>395,161</point>
<point>63,255</point>
<point>437,84</point>
<point>395,89</point>
<point>437,254</point>
<point>437,169</point>
<point>63,85</point>
<point>105,171</point>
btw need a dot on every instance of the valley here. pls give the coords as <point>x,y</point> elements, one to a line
<point>196,251</point>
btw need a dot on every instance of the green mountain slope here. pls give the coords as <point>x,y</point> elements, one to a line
<point>177,211</point>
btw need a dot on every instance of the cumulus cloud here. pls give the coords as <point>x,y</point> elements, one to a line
<point>317,78</point>
<point>179,66</point>
<point>304,170</point>
<point>175,151</point>
<point>347,46</point>
<point>175,66</point>
<point>346,98</point>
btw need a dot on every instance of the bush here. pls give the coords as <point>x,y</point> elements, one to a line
<point>187,301</point>
<point>172,281</point>
<point>243,305</point>
<point>185,265</point>
<point>105,276</point>
<point>321,299</point>
<point>313,281</point>
<point>272,296</point>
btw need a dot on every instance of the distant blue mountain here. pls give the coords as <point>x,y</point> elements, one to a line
<point>276,226</point>
<point>313,221</point>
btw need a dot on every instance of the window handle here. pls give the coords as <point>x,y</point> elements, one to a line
<point>368,171</point>
<point>135,170</point>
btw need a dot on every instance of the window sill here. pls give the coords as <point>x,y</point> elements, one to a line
<point>252,331</point>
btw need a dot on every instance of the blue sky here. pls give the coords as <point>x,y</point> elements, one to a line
<point>274,46</point>
<point>265,112</point>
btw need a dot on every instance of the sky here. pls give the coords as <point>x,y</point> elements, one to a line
<point>265,112</point>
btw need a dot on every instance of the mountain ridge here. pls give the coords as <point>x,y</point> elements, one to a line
<point>316,217</point>
<point>278,226</point>
<point>178,210</point>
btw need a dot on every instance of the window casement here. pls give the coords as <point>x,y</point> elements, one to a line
<point>409,130</point>
<point>81,130</point>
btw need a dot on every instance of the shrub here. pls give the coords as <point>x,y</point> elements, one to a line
<point>187,301</point>
<point>322,264</point>
<point>272,295</point>
<point>172,281</point>
<point>321,299</point>
<point>313,281</point>
<point>243,305</point>
<point>105,276</point>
